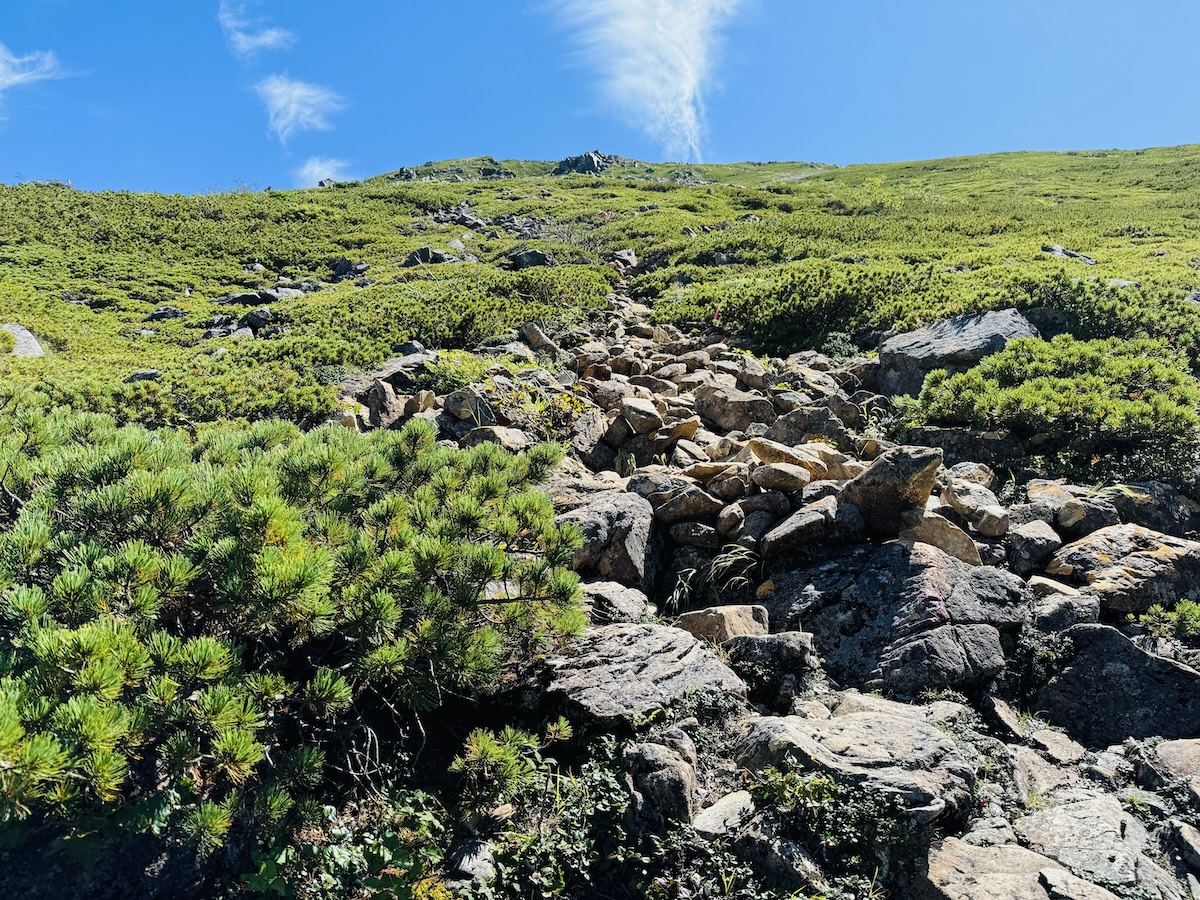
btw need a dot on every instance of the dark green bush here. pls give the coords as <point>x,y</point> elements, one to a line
<point>213,637</point>
<point>1112,402</point>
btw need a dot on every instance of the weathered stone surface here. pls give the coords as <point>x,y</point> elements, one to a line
<point>611,602</point>
<point>952,344</point>
<point>513,440</point>
<point>930,528</point>
<point>904,618</point>
<point>785,477</point>
<point>619,674</point>
<point>1108,690</point>
<point>587,441</point>
<point>725,815</point>
<point>778,858</point>
<point>772,663</point>
<point>899,480</point>
<point>898,755</point>
<point>1129,568</point>
<point>664,784</point>
<point>720,623</point>
<point>1031,545</point>
<point>960,871</point>
<point>821,460</point>
<point>675,498</point>
<point>641,414</point>
<point>1153,505</point>
<point>808,423</point>
<point>732,409</point>
<point>1096,839</point>
<point>618,540</point>
<point>823,522</point>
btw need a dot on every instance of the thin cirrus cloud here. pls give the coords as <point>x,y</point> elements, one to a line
<point>297,105</point>
<point>18,70</point>
<point>655,58</point>
<point>246,35</point>
<point>318,168</point>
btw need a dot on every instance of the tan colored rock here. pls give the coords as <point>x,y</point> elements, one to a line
<point>720,623</point>
<point>786,477</point>
<point>930,528</point>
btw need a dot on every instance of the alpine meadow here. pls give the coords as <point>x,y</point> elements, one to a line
<point>596,528</point>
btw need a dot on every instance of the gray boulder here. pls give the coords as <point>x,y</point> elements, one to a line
<point>904,618</point>
<point>1098,840</point>
<point>1107,690</point>
<point>953,344</point>
<point>731,409</point>
<point>959,871</point>
<point>619,541</point>
<point>899,480</point>
<point>901,756</point>
<point>617,675</point>
<point>610,602</point>
<point>1129,568</point>
<point>25,344</point>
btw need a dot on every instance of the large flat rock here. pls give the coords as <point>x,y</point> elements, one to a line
<point>898,755</point>
<point>959,871</point>
<point>619,674</point>
<point>26,344</point>
<point>1108,690</point>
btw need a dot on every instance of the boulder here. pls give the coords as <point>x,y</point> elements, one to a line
<point>673,497</point>
<point>528,259</point>
<point>619,541</point>
<point>641,414</point>
<point>664,784</point>
<point>1129,568</point>
<point>1107,690</point>
<point>903,618</point>
<point>821,460</point>
<point>809,423</point>
<point>900,756</point>
<point>786,477</point>
<point>731,409</point>
<point>959,871</point>
<point>618,675</point>
<point>952,344</point>
<point>922,526</point>
<point>718,624</point>
<point>1098,840</point>
<point>724,816</point>
<point>772,855</point>
<point>899,480</point>
<point>827,521</point>
<point>514,440</point>
<point>772,665</point>
<point>1031,545</point>
<point>611,602</point>
<point>1153,505</point>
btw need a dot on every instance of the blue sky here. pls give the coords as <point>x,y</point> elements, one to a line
<point>204,95</point>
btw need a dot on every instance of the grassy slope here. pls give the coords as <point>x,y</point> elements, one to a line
<point>903,243</point>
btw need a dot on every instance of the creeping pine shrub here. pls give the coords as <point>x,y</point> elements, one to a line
<point>210,638</point>
<point>1112,403</point>
<point>1181,622</point>
<point>8,343</point>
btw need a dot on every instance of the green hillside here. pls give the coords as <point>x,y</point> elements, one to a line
<point>232,628</point>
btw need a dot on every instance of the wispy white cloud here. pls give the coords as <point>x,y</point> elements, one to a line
<point>297,105</point>
<point>18,70</point>
<point>318,168</point>
<point>655,57</point>
<point>248,34</point>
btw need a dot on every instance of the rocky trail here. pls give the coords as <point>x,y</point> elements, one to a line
<point>896,616</point>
